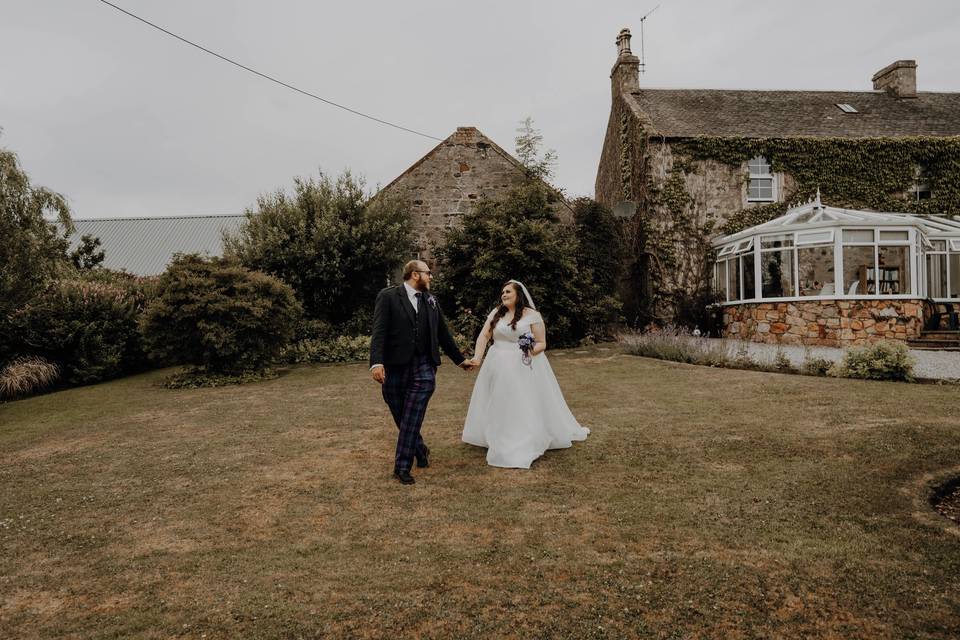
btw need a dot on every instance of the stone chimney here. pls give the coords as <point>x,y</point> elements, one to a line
<point>625,75</point>
<point>898,79</point>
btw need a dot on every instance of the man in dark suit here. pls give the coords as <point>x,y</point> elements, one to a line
<point>408,331</point>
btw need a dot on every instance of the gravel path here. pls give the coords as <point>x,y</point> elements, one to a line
<point>940,365</point>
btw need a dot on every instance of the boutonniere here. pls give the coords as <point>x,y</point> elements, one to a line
<point>431,300</point>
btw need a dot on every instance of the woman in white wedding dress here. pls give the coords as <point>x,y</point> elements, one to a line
<point>517,410</point>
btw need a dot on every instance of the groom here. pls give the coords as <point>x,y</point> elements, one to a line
<point>408,328</point>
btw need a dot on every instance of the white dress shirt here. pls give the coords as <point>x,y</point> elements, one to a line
<point>412,295</point>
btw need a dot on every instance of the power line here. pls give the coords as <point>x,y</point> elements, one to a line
<point>267,77</point>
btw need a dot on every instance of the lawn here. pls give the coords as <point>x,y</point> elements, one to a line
<point>707,503</point>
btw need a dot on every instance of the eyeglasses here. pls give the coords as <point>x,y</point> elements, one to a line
<point>428,272</point>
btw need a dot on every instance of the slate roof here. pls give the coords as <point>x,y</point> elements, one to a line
<point>144,246</point>
<point>679,113</point>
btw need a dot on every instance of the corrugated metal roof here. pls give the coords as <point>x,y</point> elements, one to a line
<point>145,246</point>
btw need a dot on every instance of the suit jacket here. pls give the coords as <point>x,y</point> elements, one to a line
<point>392,340</point>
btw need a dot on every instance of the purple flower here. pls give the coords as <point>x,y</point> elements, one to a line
<point>432,300</point>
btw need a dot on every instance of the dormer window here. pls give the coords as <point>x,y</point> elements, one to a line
<point>762,183</point>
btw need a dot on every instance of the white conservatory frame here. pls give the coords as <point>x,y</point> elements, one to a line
<point>813,224</point>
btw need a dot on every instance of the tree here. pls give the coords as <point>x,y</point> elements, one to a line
<point>600,243</point>
<point>332,243</point>
<point>32,249</point>
<point>218,316</point>
<point>600,255</point>
<point>527,144</point>
<point>88,255</point>
<point>518,237</point>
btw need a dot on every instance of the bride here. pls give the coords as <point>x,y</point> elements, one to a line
<point>517,410</point>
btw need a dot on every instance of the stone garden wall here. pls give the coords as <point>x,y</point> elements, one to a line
<point>831,323</point>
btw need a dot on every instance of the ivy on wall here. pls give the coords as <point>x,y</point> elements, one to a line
<point>864,173</point>
<point>680,250</point>
<point>673,249</point>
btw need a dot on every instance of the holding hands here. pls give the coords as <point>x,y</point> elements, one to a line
<point>469,365</point>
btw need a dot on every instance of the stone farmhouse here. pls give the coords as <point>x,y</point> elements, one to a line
<point>687,166</point>
<point>449,180</point>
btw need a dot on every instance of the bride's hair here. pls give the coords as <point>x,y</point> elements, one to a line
<point>517,308</point>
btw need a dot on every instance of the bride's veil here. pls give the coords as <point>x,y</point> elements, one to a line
<point>526,294</point>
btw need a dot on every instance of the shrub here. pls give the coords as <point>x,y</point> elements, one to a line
<point>813,366</point>
<point>194,378</point>
<point>886,360</point>
<point>88,327</point>
<point>329,241</point>
<point>520,237</point>
<point>339,349</point>
<point>782,363</point>
<point>218,316</point>
<point>27,376</point>
<point>677,345</point>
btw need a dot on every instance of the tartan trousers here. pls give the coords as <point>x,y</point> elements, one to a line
<point>407,390</point>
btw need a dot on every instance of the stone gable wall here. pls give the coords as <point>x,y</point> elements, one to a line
<point>830,323</point>
<point>449,181</point>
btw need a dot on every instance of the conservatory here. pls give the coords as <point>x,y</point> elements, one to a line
<point>830,276</point>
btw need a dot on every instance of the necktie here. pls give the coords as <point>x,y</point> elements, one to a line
<point>419,297</point>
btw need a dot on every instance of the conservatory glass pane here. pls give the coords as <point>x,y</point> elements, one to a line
<point>894,271</point>
<point>939,245</point>
<point>816,271</point>
<point>733,278</point>
<point>771,242</point>
<point>894,236</point>
<point>858,235</point>
<point>776,273</point>
<point>936,275</point>
<point>721,280</point>
<point>814,237</point>
<point>749,279</point>
<point>954,266</point>
<point>859,271</point>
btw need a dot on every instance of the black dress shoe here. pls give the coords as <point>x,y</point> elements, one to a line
<point>403,476</point>
<point>424,460</point>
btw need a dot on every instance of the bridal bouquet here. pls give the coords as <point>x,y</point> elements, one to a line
<point>526,343</point>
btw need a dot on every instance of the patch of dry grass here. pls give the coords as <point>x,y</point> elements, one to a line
<point>26,376</point>
<point>706,503</point>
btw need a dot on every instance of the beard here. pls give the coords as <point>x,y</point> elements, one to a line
<point>422,285</point>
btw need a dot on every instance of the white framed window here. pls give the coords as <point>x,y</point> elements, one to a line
<point>920,189</point>
<point>763,184</point>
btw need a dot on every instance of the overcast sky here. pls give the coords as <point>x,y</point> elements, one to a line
<point>126,121</point>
